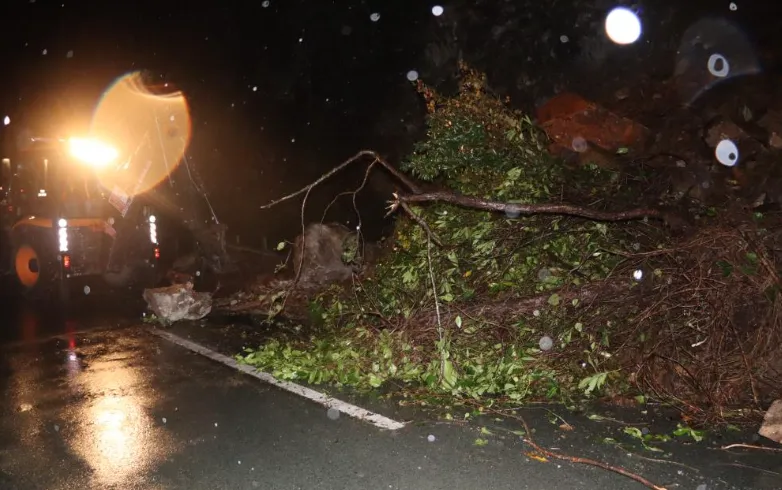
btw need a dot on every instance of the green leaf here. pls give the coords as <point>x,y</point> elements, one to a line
<point>553,300</point>
<point>450,377</point>
<point>280,245</point>
<point>458,321</point>
<point>480,442</point>
<point>726,267</point>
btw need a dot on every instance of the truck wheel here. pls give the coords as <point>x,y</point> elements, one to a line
<point>34,269</point>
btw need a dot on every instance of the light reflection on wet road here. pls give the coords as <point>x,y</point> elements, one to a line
<point>119,408</point>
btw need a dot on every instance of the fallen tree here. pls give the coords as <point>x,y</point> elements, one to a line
<point>494,287</point>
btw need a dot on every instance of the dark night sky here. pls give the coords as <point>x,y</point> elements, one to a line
<point>278,94</point>
<point>281,93</point>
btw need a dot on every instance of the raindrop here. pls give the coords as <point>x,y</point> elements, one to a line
<point>164,420</point>
<point>374,17</point>
<point>69,54</point>
<point>733,7</point>
<point>265,3</point>
<point>437,11</point>
<point>638,274</point>
<point>44,52</point>
<point>239,462</point>
<point>544,274</point>
<point>332,413</point>
<point>430,438</point>
<point>215,424</point>
<point>7,120</point>
<point>563,39</point>
<point>293,140</point>
<point>412,75</point>
<point>546,343</point>
<point>87,290</point>
<point>536,313</point>
<point>645,430</point>
<point>512,213</point>
<point>636,246</point>
<point>583,364</point>
<point>623,26</point>
<point>718,66</point>
<point>346,30</point>
<point>579,144</point>
<point>727,153</point>
<point>255,89</point>
<point>56,428</point>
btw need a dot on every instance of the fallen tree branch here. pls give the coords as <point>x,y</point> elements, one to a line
<point>358,156</point>
<point>579,460</point>
<point>751,446</point>
<point>528,209</point>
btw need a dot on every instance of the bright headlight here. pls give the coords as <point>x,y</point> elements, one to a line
<point>62,223</point>
<point>62,235</point>
<point>92,152</point>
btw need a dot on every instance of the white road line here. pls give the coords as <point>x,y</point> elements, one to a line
<point>315,396</point>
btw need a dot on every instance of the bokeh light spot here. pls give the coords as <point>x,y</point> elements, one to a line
<point>727,153</point>
<point>374,17</point>
<point>437,10</point>
<point>412,75</point>
<point>623,26</point>
<point>546,343</point>
<point>733,7</point>
<point>579,144</point>
<point>718,66</point>
<point>638,274</point>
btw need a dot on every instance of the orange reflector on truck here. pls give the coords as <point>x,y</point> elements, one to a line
<point>66,261</point>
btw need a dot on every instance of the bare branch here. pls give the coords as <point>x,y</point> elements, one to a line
<point>358,156</point>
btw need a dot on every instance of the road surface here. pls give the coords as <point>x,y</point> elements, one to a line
<point>99,402</point>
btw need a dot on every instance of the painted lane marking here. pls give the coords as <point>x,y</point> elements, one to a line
<point>312,395</point>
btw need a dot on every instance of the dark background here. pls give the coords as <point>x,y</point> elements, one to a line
<point>329,81</point>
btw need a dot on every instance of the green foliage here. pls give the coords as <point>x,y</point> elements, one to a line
<point>382,329</point>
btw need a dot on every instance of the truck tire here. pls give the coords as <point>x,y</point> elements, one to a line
<point>35,268</point>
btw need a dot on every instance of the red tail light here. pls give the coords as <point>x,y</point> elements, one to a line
<point>66,261</point>
<point>157,253</point>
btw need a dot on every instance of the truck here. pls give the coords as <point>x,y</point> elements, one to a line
<point>62,231</point>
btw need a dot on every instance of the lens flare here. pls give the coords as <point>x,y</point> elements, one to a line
<point>151,128</point>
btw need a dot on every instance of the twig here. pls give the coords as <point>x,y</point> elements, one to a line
<point>436,305</point>
<point>423,224</point>
<point>363,153</point>
<point>530,209</point>
<point>576,459</point>
<point>752,446</point>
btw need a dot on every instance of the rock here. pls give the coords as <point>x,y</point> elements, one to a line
<point>178,302</point>
<point>772,422</point>
<point>323,260</point>
<point>568,117</point>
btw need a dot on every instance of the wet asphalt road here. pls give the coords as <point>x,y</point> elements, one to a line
<point>100,403</point>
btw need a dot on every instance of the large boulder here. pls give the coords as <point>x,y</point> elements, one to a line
<point>325,254</point>
<point>178,302</point>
